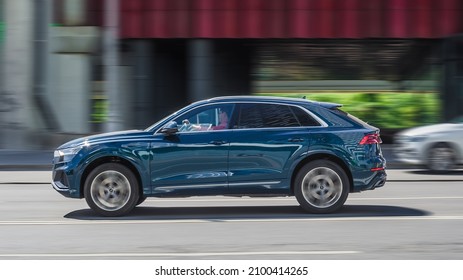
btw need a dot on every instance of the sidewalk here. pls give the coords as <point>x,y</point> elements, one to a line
<point>26,160</point>
<point>31,160</point>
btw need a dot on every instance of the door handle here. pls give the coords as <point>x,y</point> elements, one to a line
<point>218,142</point>
<point>295,140</point>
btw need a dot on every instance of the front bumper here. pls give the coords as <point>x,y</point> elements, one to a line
<point>62,189</point>
<point>63,181</point>
<point>409,152</point>
<point>408,156</point>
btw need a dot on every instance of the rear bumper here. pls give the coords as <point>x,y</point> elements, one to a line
<point>379,180</point>
<point>375,180</point>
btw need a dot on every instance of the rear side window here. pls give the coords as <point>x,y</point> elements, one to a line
<point>349,119</point>
<point>334,117</point>
<point>304,118</point>
<point>271,115</point>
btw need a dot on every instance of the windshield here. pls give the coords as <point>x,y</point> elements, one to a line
<point>159,122</point>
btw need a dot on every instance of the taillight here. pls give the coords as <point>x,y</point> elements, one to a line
<point>377,169</point>
<point>371,139</point>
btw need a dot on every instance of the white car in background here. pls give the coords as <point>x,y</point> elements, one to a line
<point>439,147</point>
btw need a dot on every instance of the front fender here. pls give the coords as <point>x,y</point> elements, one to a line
<point>137,156</point>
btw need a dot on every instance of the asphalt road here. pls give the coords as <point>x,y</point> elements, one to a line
<point>415,216</point>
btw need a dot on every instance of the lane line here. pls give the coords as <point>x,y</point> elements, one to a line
<point>407,198</point>
<point>201,254</point>
<point>225,220</point>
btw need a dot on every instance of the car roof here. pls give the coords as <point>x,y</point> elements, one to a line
<point>286,100</point>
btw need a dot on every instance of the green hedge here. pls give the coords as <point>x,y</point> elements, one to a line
<point>389,110</point>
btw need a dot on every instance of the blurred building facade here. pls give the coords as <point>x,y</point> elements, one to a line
<point>172,52</point>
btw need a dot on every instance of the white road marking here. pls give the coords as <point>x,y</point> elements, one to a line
<point>202,254</point>
<point>226,220</point>
<point>408,198</point>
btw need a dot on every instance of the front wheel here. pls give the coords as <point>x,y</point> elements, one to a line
<point>111,189</point>
<point>321,187</point>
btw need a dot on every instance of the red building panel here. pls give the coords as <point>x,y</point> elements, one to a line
<point>155,23</point>
<point>250,23</point>
<point>375,19</point>
<point>226,4</point>
<point>322,19</point>
<point>297,4</point>
<point>180,23</point>
<point>396,22</point>
<point>422,22</point>
<point>226,23</point>
<point>201,24</point>
<point>298,23</point>
<point>157,5</point>
<point>288,18</point>
<point>131,27</point>
<point>252,5</point>
<point>274,19</point>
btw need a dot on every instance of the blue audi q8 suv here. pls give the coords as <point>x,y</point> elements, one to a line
<point>238,146</point>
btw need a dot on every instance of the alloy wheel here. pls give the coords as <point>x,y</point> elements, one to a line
<point>441,158</point>
<point>322,187</point>
<point>110,190</point>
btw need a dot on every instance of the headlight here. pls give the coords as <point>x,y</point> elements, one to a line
<point>65,155</point>
<point>407,138</point>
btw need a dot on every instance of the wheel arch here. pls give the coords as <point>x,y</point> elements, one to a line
<point>455,147</point>
<point>325,156</point>
<point>456,151</point>
<point>110,159</point>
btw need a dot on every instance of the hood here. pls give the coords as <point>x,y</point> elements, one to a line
<point>424,130</point>
<point>105,137</point>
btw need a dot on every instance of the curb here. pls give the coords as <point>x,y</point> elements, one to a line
<point>26,167</point>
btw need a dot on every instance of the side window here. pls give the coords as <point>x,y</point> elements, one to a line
<point>304,118</point>
<point>250,116</point>
<point>265,116</point>
<point>213,117</point>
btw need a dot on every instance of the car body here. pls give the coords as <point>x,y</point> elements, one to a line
<point>439,147</point>
<point>267,146</point>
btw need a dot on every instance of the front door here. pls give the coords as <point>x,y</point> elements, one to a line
<point>193,161</point>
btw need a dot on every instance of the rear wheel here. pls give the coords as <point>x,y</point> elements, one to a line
<point>321,186</point>
<point>111,189</point>
<point>441,157</point>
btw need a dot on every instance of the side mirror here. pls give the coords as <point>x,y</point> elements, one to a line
<point>170,128</point>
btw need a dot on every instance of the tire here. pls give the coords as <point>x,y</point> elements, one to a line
<point>141,199</point>
<point>321,187</point>
<point>111,190</point>
<point>441,158</point>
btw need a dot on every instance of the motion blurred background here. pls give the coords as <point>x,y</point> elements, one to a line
<point>77,67</point>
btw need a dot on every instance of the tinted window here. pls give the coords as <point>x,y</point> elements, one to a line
<point>304,118</point>
<point>266,115</point>
<point>334,117</point>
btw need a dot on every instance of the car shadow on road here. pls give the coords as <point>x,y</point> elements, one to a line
<point>430,172</point>
<point>248,213</point>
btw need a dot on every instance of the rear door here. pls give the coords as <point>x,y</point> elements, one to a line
<point>266,140</point>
